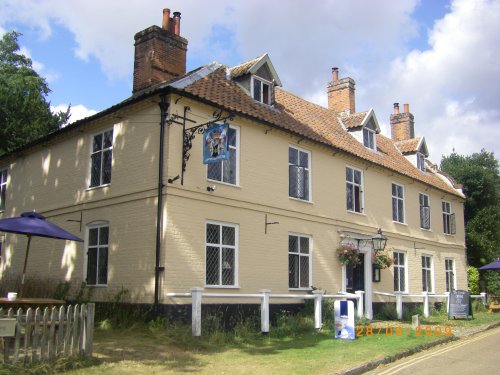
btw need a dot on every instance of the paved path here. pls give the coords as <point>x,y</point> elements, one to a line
<point>478,354</point>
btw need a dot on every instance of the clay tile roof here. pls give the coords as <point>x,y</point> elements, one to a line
<point>311,121</point>
<point>242,69</point>
<point>408,146</point>
<point>353,121</point>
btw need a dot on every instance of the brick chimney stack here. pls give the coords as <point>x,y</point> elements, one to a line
<point>402,124</point>
<point>160,53</point>
<point>341,94</point>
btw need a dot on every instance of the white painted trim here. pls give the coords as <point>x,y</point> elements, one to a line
<point>88,226</point>
<point>430,211</point>
<point>266,60</point>
<point>309,159</point>
<point>236,254</point>
<point>404,203</point>
<point>433,286</point>
<point>406,271</point>
<point>362,186</point>
<point>89,158</point>
<point>262,80</point>
<point>310,259</point>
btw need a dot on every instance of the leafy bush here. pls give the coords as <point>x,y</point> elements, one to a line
<point>387,312</point>
<point>473,280</point>
<point>62,290</point>
<point>492,281</point>
<point>291,325</point>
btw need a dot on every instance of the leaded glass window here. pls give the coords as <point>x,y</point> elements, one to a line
<point>299,261</point>
<point>221,251</point>
<point>101,158</point>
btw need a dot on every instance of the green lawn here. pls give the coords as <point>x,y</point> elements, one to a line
<point>159,349</point>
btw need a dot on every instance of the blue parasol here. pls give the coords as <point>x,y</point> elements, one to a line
<point>34,224</point>
<point>491,266</point>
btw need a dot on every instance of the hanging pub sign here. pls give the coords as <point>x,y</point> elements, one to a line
<point>215,142</point>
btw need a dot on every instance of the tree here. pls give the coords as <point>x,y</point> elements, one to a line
<point>479,175</point>
<point>25,114</point>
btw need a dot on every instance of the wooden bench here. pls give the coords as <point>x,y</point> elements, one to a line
<point>494,305</point>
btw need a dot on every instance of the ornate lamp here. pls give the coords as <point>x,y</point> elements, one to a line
<point>379,241</point>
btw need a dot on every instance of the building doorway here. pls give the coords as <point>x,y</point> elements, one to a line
<point>355,276</point>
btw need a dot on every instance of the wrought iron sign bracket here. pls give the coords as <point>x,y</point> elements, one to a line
<point>189,134</point>
<point>266,223</point>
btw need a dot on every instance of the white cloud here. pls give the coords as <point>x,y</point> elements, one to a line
<point>451,86</point>
<point>78,111</point>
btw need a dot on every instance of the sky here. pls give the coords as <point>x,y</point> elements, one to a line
<point>439,56</point>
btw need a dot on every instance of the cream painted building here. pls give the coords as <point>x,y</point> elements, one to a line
<point>300,180</point>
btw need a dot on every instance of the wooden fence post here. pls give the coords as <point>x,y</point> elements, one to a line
<point>60,331</point>
<point>36,338</point>
<point>81,334</point>
<point>196,295</point>
<point>264,311</point>
<point>27,333</point>
<point>67,336</point>
<point>43,342</point>
<point>318,314</point>
<point>399,305</point>
<point>483,298</point>
<point>52,333</point>
<point>17,343</point>
<point>361,306</point>
<point>89,329</point>
<point>74,337</point>
<point>426,304</point>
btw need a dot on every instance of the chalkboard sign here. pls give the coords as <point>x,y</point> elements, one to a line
<point>460,304</point>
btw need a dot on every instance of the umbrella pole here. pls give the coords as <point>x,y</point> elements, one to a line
<point>24,267</point>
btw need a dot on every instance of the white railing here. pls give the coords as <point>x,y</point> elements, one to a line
<point>265,295</point>
<point>425,296</point>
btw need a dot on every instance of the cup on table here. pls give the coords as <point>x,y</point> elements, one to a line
<point>11,296</point>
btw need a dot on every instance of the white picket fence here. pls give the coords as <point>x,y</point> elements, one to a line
<point>264,296</point>
<point>45,335</point>
<point>425,297</point>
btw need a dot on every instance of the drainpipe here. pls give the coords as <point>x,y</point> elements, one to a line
<point>163,117</point>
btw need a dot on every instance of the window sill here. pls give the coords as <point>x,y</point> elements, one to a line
<point>300,289</point>
<point>97,286</point>
<point>301,200</point>
<point>224,183</point>
<point>449,234</point>
<point>400,223</point>
<point>356,213</point>
<point>222,287</point>
<point>97,187</point>
<point>426,229</point>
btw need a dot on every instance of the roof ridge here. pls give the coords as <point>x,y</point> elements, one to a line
<point>247,62</point>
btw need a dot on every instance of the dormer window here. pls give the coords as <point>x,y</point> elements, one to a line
<point>261,90</point>
<point>369,138</point>
<point>421,161</point>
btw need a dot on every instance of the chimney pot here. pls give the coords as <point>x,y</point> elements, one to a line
<point>177,23</point>
<point>335,74</point>
<point>165,25</point>
<point>396,108</point>
<point>160,53</point>
<point>407,108</point>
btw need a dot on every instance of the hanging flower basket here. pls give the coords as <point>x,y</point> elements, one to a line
<point>382,260</point>
<point>348,254</point>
